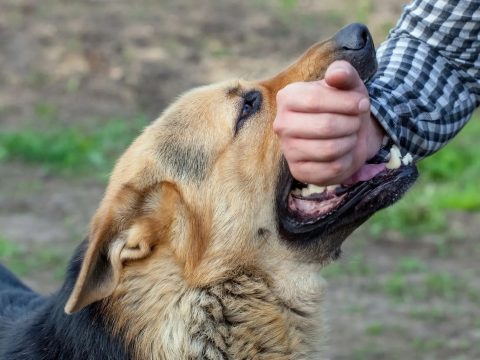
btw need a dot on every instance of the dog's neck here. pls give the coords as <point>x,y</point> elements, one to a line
<point>241,317</point>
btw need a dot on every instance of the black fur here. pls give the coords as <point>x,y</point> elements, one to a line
<point>189,162</point>
<point>36,327</point>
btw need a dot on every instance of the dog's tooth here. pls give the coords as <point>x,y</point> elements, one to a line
<point>317,189</point>
<point>312,189</point>
<point>395,158</point>
<point>305,192</point>
<point>393,163</point>
<point>297,192</point>
<point>407,159</point>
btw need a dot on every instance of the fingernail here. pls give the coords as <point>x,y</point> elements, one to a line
<point>364,105</point>
<point>339,70</point>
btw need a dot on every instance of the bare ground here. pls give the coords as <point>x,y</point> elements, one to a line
<point>93,60</point>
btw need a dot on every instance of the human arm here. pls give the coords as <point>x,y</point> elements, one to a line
<point>424,92</point>
<point>428,82</point>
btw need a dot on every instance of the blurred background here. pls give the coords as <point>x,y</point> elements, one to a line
<point>79,79</point>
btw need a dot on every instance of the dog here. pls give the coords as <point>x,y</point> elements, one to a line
<point>204,246</point>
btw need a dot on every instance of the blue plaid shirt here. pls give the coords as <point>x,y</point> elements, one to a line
<point>428,82</point>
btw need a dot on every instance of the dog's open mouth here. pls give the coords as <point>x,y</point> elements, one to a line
<point>305,209</point>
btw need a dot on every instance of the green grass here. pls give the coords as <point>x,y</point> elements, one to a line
<point>23,261</point>
<point>442,285</point>
<point>425,286</point>
<point>409,265</point>
<point>448,182</point>
<point>412,279</point>
<point>429,313</point>
<point>363,8</point>
<point>8,250</point>
<point>375,329</point>
<point>45,111</point>
<point>354,265</point>
<point>70,148</point>
<point>367,352</point>
<point>288,5</point>
<point>11,255</point>
<point>428,344</point>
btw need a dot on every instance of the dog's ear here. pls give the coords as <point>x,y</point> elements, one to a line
<point>126,228</point>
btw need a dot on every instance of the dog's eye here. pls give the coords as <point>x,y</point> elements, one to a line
<point>247,109</point>
<point>251,104</point>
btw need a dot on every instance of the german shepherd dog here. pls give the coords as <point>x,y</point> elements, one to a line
<point>202,247</point>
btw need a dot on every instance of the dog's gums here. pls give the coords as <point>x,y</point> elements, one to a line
<point>309,202</point>
<point>304,204</point>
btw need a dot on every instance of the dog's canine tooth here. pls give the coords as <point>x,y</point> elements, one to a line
<point>407,159</point>
<point>395,158</point>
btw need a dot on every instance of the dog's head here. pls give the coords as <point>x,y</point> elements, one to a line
<point>206,186</point>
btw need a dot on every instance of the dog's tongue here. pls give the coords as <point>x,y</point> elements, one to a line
<point>366,172</point>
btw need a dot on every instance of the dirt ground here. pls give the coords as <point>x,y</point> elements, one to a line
<point>390,297</point>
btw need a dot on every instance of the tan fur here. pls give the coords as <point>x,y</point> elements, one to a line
<point>195,266</point>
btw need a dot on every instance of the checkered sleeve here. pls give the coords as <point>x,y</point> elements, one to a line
<point>428,82</point>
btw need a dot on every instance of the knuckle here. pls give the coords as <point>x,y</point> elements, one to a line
<point>283,127</point>
<point>310,173</point>
<point>328,127</point>
<point>351,103</point>
<point>352,141</point>
<point>355,124</point>
<point>311,99</point>
<point>337,168</point>
<point>282,123</point>
<point>287,150</point>
<point>278,125</point>
<point>284,94</point>
<point>298,172</point>
<point>330,149</point>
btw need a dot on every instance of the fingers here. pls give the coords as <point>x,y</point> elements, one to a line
<point>314,150</point>
<point>343,76</point>
<point>329,173</point>
<point>323,126</point>
<point>315,126</point>
<point>318,97</point>
<point>323,162</point>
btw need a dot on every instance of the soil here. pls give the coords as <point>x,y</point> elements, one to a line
<point>95,60</point>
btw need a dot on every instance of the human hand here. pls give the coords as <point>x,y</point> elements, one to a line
<point>325,127</point>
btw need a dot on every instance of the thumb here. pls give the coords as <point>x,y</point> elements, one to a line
<point>342,75</point>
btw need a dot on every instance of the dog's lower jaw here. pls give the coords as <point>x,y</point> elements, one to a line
<point>239,318</point>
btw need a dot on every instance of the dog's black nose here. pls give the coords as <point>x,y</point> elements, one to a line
<point>353,37</point>
<point>354,44</point>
